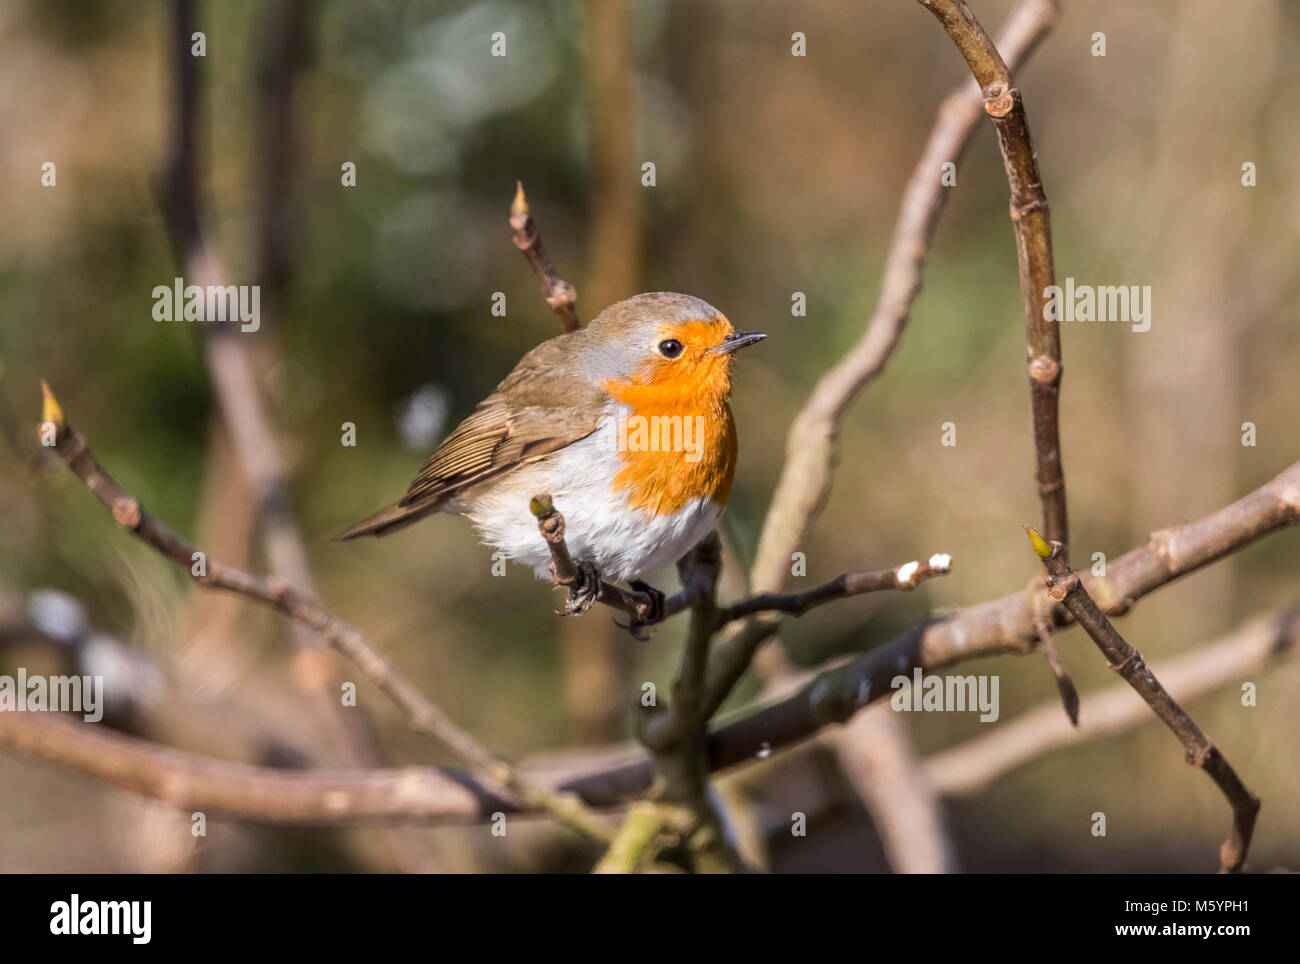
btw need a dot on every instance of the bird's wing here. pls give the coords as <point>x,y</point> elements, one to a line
<point>537,410</point>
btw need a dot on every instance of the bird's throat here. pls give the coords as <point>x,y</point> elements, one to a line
<point>675,446</point>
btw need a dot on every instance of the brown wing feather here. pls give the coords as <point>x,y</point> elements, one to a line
<point>538,409</point>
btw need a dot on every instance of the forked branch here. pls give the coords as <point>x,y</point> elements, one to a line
<point>1065,587</point>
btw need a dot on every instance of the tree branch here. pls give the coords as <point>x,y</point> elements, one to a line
<point>811,450</point>
<point>565,571</point>
<point>906,576</point>
<point>675,735</point>
<point>1029,217</point>
<point>875,753</point>
<point>256,793</point>
<point>1065,587</point>
<point>233,372</point>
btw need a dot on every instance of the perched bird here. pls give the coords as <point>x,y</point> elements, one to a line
<point>625,423</point>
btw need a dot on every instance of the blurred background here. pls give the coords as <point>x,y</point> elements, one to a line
<point>775,174</point>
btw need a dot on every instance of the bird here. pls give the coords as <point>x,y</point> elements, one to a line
<point>625,423</point>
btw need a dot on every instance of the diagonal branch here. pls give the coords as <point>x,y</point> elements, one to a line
<point>1065,587</point>
<point>1030,218</point>
<point>421,713</point>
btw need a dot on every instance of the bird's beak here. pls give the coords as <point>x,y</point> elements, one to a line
<point>736,341</point>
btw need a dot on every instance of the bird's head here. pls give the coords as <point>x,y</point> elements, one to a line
<point>675,346</point>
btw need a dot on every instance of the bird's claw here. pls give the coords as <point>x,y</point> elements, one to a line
<point>656,614</point>
<point>583,593</point>
<point>637,625</point>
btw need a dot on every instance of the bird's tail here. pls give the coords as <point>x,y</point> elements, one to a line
<point>387,520</point>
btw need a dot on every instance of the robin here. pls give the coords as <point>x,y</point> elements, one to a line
<point>625,423</point>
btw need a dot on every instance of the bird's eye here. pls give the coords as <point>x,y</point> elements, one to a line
<point>670,348</point>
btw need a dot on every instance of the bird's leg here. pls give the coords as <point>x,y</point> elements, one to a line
<point>583,593</point>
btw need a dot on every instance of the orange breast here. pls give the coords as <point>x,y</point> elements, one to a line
<point>678,443</point>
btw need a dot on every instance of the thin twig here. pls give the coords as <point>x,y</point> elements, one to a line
<point>1030,218</point>
<point>1065,587</point>
<point>906,576</point>
<point>1065,688</point>
<point>421,713</point>
<point>565,572</point>
<point>559,294</point>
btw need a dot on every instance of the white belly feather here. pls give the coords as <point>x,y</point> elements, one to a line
<point>600,526</point>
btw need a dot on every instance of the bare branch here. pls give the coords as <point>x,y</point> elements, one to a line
<point>686,714</point>
<point>812,444</point>
<point>257,793</point>
<point>1065,587</point>
<point>906,576</point>
<point>422,714</point>
<point>1029,216</point>
<point>559,294</point>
